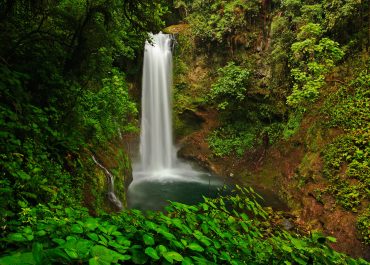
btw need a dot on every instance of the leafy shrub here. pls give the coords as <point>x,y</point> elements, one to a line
<point>60,93</point>
<point>274,132</point>
<point>347,158</point>
<point>232,139</point>
<point>230,88</point>
<point>237,137</point>
<point>33,152</point>
<point>108,110</point>
<point>209,233</point>
<point>217,20</point>
<point>313,56</point>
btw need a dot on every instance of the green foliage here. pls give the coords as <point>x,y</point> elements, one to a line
<point>347,158</point>
<point>237,137</point>
<point>317,35</point>
<point>293,124</point>
<point>62,91</point>
<point>245,117</point>
<point>106,111</point>
<point>349,107</point>
<point>349,153</point>
<point>363,224</point>
<point>33,152</point>
<point>282,39</point>
<point>209,233</point>
<point>232,140</point>
<point>218,20</point>
<point>230,88</point>
<point>340,15</point>
<point>313,57</point>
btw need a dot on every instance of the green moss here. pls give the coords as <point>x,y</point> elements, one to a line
<point>122,175</point>
<point>309,168</point>
<point>315,139</point>
<point>99,190</point>
<point>191,75</point>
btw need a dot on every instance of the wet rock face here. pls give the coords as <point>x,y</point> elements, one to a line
<point>188,122</point>
<point>115,159</point>
<point>192,119</point>
<point>194,146</point>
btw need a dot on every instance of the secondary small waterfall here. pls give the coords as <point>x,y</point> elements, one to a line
<point>110,180</point>
<point>156,142</point>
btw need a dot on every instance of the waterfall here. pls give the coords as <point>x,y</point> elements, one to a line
<point>158,160</point>
<point>160,176</point>
<point>156,142</point>
<point>110,180</point>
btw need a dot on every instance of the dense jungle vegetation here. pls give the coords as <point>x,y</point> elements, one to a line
<point>69,74</point>
<point>278,68</point>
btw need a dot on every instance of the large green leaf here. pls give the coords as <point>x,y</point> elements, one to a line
<point>72,253</point>
<point>123,241</point>
<point>148,240</point>
<point>102,256</point>
<point>187,261</point>
<point>172,255</point>
<point>161,249</point>
<point>139,257</point>
<point>93,236</point>
<point>18,237</point>
<point>58,255</point>
<point>195,247</point>
<point>59,241</point>
<point>77,229</point>
<point>18,259</point>
<point>77,248</point>
<point>91,223</point>
<point>37,252</point>
<point>151,252</point>
<point>166,234</point>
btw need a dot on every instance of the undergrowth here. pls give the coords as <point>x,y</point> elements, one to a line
<point>228,230</point>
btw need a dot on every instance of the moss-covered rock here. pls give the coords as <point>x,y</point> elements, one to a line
<point>116,160</point>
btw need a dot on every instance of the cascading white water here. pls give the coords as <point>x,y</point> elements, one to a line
<point>158,161</point>
<point>156,144</point>
<point>160,176</point>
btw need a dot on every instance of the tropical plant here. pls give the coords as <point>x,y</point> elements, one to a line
<point>232,229</point>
